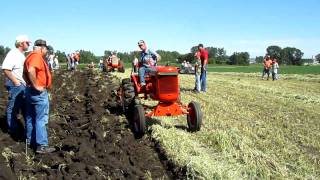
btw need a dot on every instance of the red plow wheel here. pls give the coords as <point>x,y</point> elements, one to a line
<point>194,117</point>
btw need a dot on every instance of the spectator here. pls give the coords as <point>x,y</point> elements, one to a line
<point>50,57</point>
<point>69,62</point>
<point>101,64</point>
<point>135,65</point>
<point>148,61</point>
<point>50,61</point>
<point>38,78</point>
<point>76,58</point>
<point>197,72</point>
<point>275,67</point>
<point>203,53</point>
<point>12,67</point>
<point>56,62</point>
<point>266,67</point>
<point>72,61</point>
<point>184,64</point>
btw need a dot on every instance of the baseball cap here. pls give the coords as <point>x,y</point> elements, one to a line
<point>22,38</point>
<point>50,49</point>
<point>41,42</point>
<point>141,42</point>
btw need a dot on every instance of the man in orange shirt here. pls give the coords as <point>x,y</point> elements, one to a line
<point>266,67</point>
<point>76,58</point>
<point>38,78</point>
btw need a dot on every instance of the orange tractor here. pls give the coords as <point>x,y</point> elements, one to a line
<point>162,86</point>
<point>112,63</point>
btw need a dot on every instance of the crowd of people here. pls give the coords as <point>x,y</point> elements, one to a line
<point>73,60</point>
<point>27,80</point>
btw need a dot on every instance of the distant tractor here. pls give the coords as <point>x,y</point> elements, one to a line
<point>186,68</point>
<point>112,63</point>
<point>161,86</point>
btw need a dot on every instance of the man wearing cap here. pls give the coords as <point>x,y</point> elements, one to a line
<point>38,79</point>
<point>148,61</point>
<point>13,70</point>
<point>204,55</point>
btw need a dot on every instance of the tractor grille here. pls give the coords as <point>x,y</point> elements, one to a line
<point>168,84</point>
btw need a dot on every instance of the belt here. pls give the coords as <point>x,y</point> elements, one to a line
<point>28,86</point>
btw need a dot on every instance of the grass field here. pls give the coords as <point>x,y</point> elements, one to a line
<point>258,68</point>
<point>252,129</point>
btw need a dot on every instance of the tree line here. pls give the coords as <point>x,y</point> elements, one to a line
<point>288,56</point>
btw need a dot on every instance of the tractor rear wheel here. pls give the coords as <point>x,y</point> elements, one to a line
<point>121,67</point>
<point>139,121</point>
<point>194,117</point>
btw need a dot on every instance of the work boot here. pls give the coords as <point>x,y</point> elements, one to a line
<point>195,91</point>
<point>45,149</point>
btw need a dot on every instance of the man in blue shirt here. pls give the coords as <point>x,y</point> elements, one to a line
<point>148,61</point>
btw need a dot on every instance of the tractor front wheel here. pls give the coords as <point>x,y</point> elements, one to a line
<point>139,121</point>
<point>194,117</point>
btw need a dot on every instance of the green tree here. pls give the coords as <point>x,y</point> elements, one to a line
<point>216,55</point>
<point>62,58</point>
<point>291,56</point>
<point>239,58</point>
<point>194,49</point>
<point>168,57</point>
<point>3,53</point>
<point>221,56</point>
<point>318,58</point>
<point>259,59</point>
<point>125,57</point>
<point>275,52</point>
<point>87,57</point>
<point>107,53</point>
<point>186,57</point>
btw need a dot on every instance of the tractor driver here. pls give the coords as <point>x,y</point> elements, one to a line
<point>148,61</point>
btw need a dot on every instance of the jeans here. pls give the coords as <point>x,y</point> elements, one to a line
<point>37,116</point>
<point>203,79</point>
<point>101,66</point>
<point>266,71</point>
<point>142,72</point>
<point>274,76</point>
<point>16,101</point>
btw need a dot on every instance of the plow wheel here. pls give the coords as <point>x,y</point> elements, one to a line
<point>194,118</point>
<point>139,121</point>
<point>128,94</point>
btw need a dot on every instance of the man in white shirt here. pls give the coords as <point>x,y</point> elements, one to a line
<point>12,67</point>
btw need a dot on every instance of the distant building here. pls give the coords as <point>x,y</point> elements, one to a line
<point>314,60</point>
<point>252,60</point>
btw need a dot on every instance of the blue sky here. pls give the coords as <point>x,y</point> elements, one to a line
<point>174,25</point>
